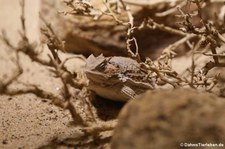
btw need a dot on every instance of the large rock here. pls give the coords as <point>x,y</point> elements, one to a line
<point>166,119</point>
<point>83,35</point>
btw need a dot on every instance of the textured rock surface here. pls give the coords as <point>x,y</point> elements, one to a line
<point>82,35</point>
<point>164,119</point>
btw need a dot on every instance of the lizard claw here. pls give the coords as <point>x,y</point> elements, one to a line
<point>127,91</point>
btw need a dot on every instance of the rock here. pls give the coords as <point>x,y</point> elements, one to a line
<point>83,35</point>
<point>165,119</point>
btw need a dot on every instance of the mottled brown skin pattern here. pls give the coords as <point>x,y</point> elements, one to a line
<point>115,78</point>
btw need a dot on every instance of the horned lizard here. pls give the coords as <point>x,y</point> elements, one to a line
<point>116,78</point>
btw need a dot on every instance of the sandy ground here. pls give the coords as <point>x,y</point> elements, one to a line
<point>27,121</point>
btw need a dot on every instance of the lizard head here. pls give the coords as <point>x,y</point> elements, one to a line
<point>94,68</point>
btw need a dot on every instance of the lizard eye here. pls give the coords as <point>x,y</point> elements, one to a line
<point>101,67</point>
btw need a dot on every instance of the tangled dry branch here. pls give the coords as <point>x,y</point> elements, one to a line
<point>203,40</point>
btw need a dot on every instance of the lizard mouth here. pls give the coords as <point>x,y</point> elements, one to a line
<point>96,76</point>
